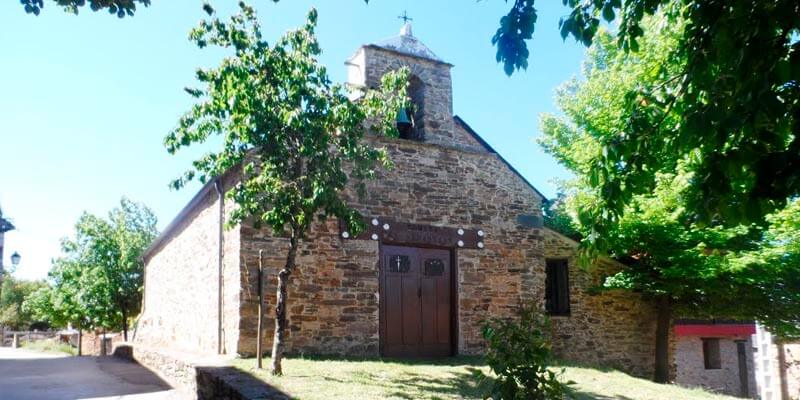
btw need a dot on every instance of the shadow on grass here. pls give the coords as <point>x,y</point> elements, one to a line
<point>455,361</point>
<point>471,384</point>
<point>468,381</point>
<point>573,394</point>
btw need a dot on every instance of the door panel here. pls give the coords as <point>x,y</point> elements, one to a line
<point>416,301</point>
<point>410,311</point>
<point>436,300</point>
<point>393,299</point>
<point>429,329</point>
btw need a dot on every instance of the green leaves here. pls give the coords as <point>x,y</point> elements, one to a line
<point>723,100</point>
<point>515,28</point>
<point>296,136</point>
<point>97,282</point>
<point>636,195</point>
<point>120,8</point>
<point>14,292</point>
<point>519,354</point>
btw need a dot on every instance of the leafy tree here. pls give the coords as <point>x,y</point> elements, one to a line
<point>594,111</point>
<point>120,8</point>
<point>64,301</point>
<point>295,136</point>
<point>556,217</point>
<point>772,275</point>
<point>132,229</point>
<point>685,268</point>
<point>14,293</point>
<point>97,283</point>
<point>682,268</point>
<point>726,106</point>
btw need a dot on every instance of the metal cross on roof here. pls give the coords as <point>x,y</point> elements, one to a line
<point>405,17</point>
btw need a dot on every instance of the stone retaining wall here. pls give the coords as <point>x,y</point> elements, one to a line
<point>200,377</point>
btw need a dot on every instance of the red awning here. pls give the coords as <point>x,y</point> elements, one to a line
<point>715,330</point>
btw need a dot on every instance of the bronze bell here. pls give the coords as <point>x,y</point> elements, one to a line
<point>404,124</point>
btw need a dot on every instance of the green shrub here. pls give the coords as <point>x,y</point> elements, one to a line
<point>49,346</point>
<point>519,354</point>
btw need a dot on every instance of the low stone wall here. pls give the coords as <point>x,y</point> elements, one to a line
<point>175,369</point>
<point>200,377</point>
<point>228,383</point>
<point>92,343</point>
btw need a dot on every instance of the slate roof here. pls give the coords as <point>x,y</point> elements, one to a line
<point>406,43</point>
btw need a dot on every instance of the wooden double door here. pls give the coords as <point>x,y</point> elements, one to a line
<point>416,302</point>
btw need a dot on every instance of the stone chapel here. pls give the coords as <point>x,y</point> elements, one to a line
<point>455,237</point>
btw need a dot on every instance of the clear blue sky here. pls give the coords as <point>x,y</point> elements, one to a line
<point>86,100</point>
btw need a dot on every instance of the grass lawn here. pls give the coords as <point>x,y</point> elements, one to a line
<point>456,378</point>
<point>49,346</point>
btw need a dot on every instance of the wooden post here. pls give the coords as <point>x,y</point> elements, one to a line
<point>259,329</point>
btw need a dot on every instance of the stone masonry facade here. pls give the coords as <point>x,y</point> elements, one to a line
<point>180,309</point>
<point>452,179</point>
<point>333,302</point>
<point>610,328</point>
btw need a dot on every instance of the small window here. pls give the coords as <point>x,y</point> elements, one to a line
<point>557,287</point>
<point>434,267</point>
<point>399,264</point>
<point>711,353</point>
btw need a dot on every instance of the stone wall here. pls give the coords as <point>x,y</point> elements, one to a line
<point>609,328</point>
<point>373,62</point>
<point>792,354</point>
<point>691,366</point>
<point>181,281</point>
<point>91,342</point>
<point>333,295</point>
<point>332,303</point>
<point>231,285</point>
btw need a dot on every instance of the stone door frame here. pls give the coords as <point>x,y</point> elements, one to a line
<point>454,295</point>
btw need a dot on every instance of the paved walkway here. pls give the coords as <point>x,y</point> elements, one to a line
<point>31,375</point>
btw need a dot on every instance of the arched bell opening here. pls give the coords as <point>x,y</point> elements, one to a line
<point>410,121</point>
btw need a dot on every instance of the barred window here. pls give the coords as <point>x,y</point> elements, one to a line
<point>557,287</point>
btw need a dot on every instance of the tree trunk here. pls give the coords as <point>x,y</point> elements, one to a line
<point>260,325</point>
<point>662,341</point>
<point>280,306</point>
<point>80,342</point>
<point>124,325</point>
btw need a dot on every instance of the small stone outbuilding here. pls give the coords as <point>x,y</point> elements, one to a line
<point>455,237</point>
<point>717,356</point>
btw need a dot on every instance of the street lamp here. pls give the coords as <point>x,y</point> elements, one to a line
<point>15,259</point>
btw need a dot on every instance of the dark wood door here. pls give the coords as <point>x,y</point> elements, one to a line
<point>415,302</point>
